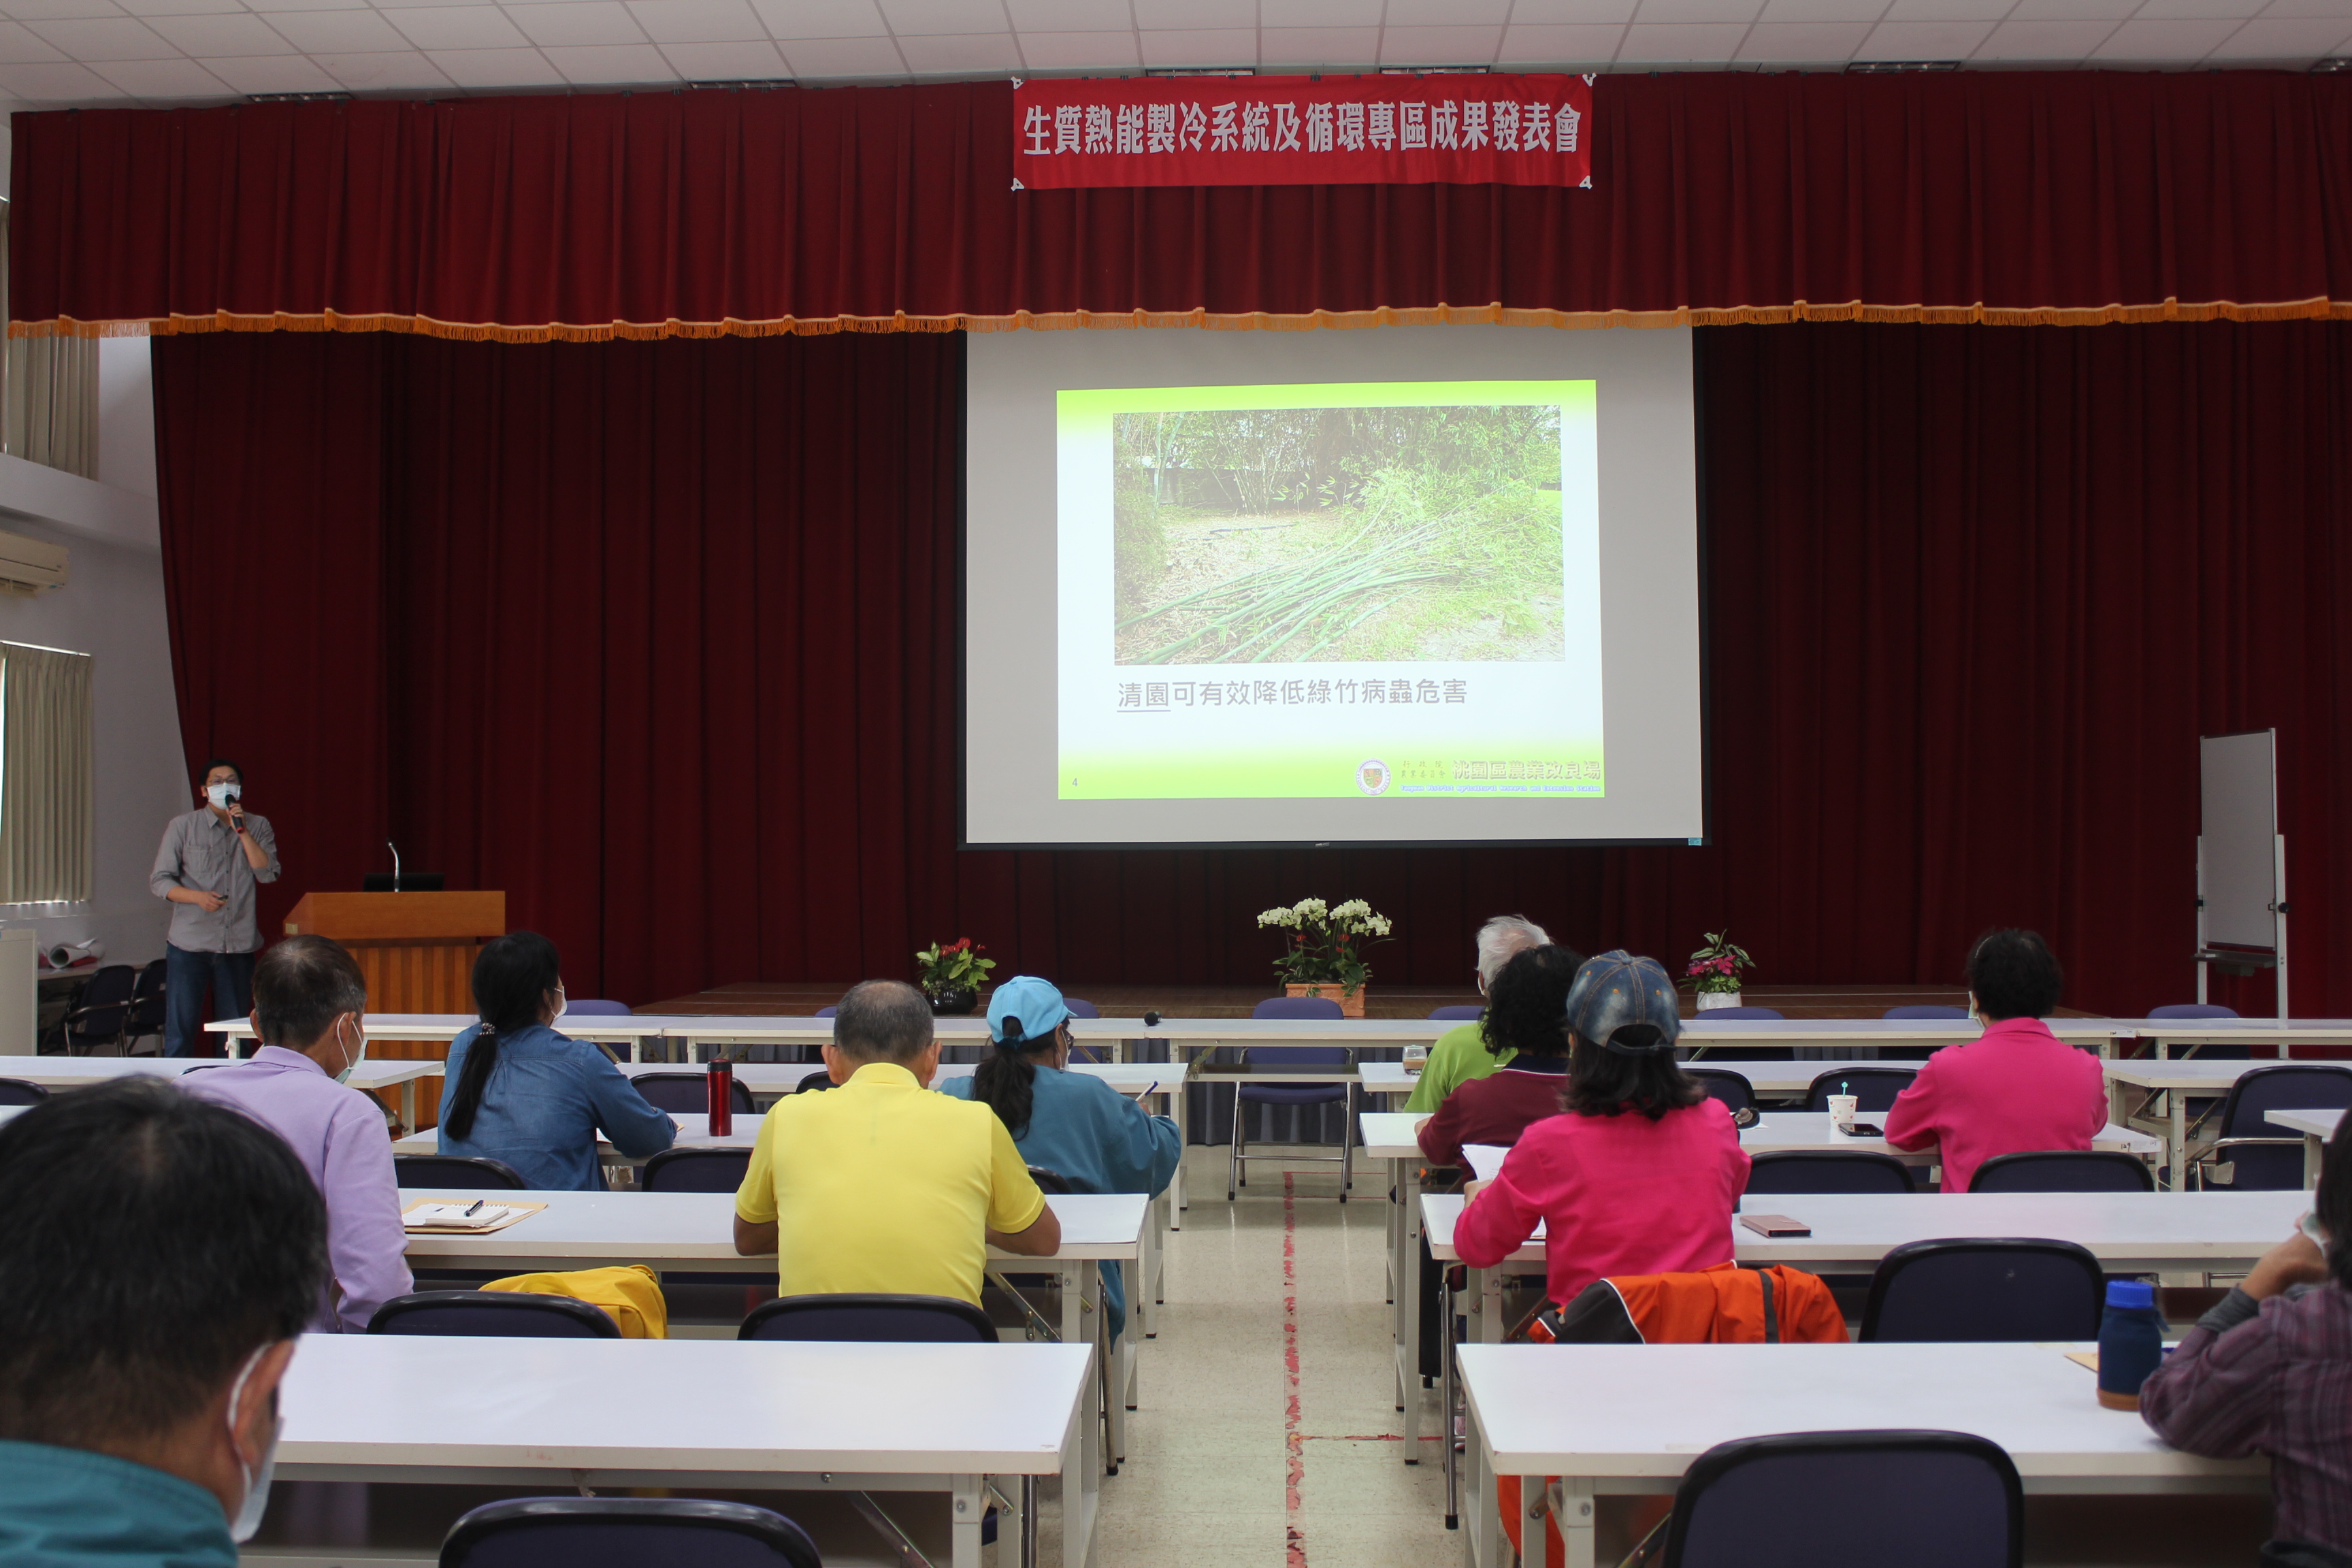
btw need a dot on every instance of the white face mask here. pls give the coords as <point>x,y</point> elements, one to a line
<point>247,1523</point>
<point>220,794</point>
<point>562,1003</point>
<point>358,1057</point>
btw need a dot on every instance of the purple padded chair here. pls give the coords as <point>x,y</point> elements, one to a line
<point>1459,1013</point>
<point>1925,1010</point>
<point>1248,1094</point>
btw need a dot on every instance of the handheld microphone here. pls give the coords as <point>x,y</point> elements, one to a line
<point>388,844</point>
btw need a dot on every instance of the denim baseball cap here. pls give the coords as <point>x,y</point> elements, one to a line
<point>1618,990</point>
<point>1032,1005</point>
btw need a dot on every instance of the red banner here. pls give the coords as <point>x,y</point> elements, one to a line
<point>1301,131</point>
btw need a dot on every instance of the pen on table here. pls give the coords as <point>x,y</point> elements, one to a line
<point>1148,1088</point>
<point>473,1208</point>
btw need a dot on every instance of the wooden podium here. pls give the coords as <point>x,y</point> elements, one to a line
<point>416,949</point>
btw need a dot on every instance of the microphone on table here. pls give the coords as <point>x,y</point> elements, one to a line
<point>1151,1020</point>
<point>388,844</point>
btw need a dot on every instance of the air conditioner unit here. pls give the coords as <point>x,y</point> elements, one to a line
<point>29,565</point>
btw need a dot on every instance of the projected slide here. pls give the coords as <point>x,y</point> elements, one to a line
<point>1376,590</point>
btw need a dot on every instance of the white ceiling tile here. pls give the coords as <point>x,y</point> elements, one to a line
<point>320,4</point>
<point>819,58</point>
<point>19,46</point>
<point>59,10</point>
<point>163,79</point>
<point>56,84</point>
<point>1948,10</point>
<point>610,63</point>
<point>2198,10</point>
<point>1666,43</point>
<point>2174,40</point>
<point>1070,16</point>
<point>1822,10</point>
<point>2307,9</point>
<point>1923,40</point>
<point>1541,13</point>
<point>243,33</point>
<point>337,32</point>
<point>726,62</point>
<point>1201,46</point>
<point>1826,41</point>
<point>272,73</point>
<point>106,38</point>
<point>1318,13</point>
<point>960,54</point>
<point>2073,10</point>
<point>2044,42</point>
<point>1319,46</point>
<point>1194,16</point>
<point>1565,43</point>
<point>386,70</point>
<point>1740,11</point>
<point>576,22</point>
<point>1439,46</point>
<point>1080,51</point>
<point>2307,38</point>
<point>180,8</point>
<point>943,16</point>
<point>431,28</point>
<point>1447,13</point>
<point>790,19</point>
<point>698,21</point>
<point>495,68</point>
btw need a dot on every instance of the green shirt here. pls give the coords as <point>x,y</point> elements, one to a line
<point>69,1508</point>
<point>1459,1055</point>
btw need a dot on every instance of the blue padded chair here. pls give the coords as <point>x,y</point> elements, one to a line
<point>1247,1094</point>
<point>146,1015</point>
<point>16,1091</point>
<point>1081,1008</point>
<point>1918,1013</point>
<point>695,1170</point>
<point>1874,1089</point>
<point>1922,1010</point>
<point>2064,1170</point>
<point>687,1093</point>
<point>1759,1015</point>
<point>593,1007</point>
<point>1731,1087</point>
<point>469,1173</point>
<point>497,1314</point>
<point>1982,1290</point>
<point>2261,1155</point>
<point>2193,1010</point>
<point>626,1533</point>
<point>1833,1171</point>
<point>829,1012</point>
<point>100,1008</point>
<point>1459,1013</point>
<point>1729,1053</point>
<point>870,1319</point>
<point>1843,1500</point>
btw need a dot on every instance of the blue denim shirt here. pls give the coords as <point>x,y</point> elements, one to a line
<point>67,1508</point>
<point>547,1096</point>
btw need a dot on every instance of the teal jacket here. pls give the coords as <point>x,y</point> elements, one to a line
<point>69,1508</point>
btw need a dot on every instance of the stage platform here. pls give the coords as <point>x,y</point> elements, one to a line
<point>757,997</point>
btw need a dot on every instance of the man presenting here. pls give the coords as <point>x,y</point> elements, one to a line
<point>211,860</point>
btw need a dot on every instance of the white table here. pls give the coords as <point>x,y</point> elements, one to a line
<point>2163,1034</point>
<point>1613,1419</point>
<point>1763,1078</point>
<point>1812,1133</point>
<point>2176,1080</point>
<point>693,1133</point>
<point>76,1072</point>
<point>698,1413</point>
<point>2316,1127</point>
<point>439,1028</point>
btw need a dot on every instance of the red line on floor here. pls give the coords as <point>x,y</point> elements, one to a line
<point>1292,1440</point>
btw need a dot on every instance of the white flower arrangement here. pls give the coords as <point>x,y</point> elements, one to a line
<point>1326,948</point>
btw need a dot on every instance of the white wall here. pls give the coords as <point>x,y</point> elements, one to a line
<point>111,608</point>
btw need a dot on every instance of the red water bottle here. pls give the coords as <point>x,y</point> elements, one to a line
<point>721,1081</point>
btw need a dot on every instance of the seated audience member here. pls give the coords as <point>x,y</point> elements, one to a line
<point>2015,1088</point>
<point>1524,1029</point>
<point>881,1185</point>
<point>308,998</point>
<point>1071,1123</point>
<point>159,1254</point>
<point>1461,1053</point>
<point>1642,1174</point>
<point>2269,1370</point>
<point>518,1091</point>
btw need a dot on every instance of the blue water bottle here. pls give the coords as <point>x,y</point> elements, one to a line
<point>2131,1342</point>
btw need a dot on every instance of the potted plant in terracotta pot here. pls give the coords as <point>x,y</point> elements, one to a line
<point>1324,954</point>
<point>1714,971</point>
<point>951,976</point>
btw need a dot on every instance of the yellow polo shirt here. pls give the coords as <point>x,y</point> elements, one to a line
<point>883,1186</point>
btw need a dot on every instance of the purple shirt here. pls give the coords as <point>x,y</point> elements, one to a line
<point>339,1135</point>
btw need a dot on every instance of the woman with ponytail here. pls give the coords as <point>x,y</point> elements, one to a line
<point>516,1090</point>
<point>1067,1123</point>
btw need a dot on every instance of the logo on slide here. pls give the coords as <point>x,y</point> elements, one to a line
<point>1372,777</point>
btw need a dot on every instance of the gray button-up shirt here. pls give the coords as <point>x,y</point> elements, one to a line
<point>201,852</point>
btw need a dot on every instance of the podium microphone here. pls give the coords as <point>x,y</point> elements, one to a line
<point>388,844</point>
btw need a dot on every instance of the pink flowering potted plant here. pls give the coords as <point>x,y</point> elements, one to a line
<point>1714,971</point>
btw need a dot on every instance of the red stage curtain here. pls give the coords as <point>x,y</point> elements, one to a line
<point>659,639</point>
<point>2024,197</point>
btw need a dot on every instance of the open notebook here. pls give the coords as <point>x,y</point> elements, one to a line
<point>450,1217</point>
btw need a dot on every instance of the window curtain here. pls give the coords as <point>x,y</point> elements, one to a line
<point>48,395</point>
<point>44,775</point>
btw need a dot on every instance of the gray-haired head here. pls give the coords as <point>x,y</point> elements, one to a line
<point>883,1021</point>
<point>1501,940</point>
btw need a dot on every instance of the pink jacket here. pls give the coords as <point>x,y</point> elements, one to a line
<point>1616,1195</point>
<point>2014,1089</point>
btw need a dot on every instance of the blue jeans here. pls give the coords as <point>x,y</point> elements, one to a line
<point>186,977</point>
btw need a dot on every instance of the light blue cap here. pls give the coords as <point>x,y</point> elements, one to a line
<point>1034,1005</point>
<point>1616,990</point>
